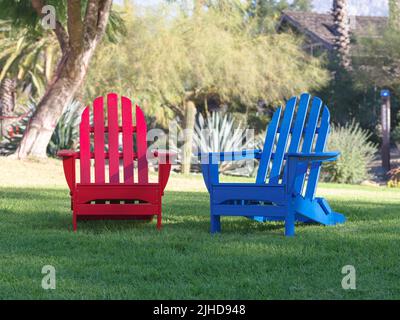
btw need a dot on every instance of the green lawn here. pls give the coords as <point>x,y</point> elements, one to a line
<point>249,260</point>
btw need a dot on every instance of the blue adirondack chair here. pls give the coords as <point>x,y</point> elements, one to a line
<point>293,150</point>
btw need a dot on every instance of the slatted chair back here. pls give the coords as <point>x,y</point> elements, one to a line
<point>306,133</point>
<point>101,141</point>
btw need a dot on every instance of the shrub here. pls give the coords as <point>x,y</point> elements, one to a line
<point>356,153</point>
<point>396,135</point>
<point>394,178</point>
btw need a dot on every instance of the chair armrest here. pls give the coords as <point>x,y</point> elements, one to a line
<point>209,163</point>
<point>69,157</point>
<point>302,159</point>
<point>216,157</point>
<point>164,170</point>
<point>210,174</point>
<point>67,154</point>
<point>165,157</point>
<point>165,160</point>
<point>314,157</point>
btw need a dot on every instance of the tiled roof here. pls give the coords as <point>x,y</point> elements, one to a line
<point>320,26</point>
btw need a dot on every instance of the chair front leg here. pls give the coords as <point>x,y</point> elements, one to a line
<point>159,218</point>
<point>290,222</point>
<point>290,218</point>
<point>215,220</point>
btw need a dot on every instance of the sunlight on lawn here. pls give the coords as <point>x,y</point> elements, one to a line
<point>128,259</point>
<point>49,173</point>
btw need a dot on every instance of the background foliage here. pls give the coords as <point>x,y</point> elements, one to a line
<point>356,154</point>
<point>215,58</point>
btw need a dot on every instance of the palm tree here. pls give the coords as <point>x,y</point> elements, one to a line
<point>26,62</point>
<point>28,59</point>
<point>7,104</point>
<point>342,28</point>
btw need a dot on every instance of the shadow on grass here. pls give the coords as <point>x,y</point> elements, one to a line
<point>23,194</point>
<point>45,208</point>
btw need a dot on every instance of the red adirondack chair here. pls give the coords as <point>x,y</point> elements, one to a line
<point>96,197</point>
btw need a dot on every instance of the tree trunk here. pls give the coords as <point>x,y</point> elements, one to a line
<point>77,45</point>
<point>7,103</point>
<point>59,94</point>
<point>190,111</point>
<point>190,117</point>
<point>342,27</point>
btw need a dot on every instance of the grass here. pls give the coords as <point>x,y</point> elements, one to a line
<point>249,260</point>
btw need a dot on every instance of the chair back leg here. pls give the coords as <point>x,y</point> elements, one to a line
<point>159,221</point>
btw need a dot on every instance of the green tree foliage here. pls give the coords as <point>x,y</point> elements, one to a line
<point>347,100</point>
<point>267,12</point>
<point>79,27</point>
<point>22,14</point>
<point>381,66</point>
<point>27,58</point>
<point>394,14</point>
<point>376,65</point>
<point>170,56</point>
<point>380,63</point>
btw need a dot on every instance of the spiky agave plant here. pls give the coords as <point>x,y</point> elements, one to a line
<point>65,135</point>
<point>16,127</point>
<point>222,133</point>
